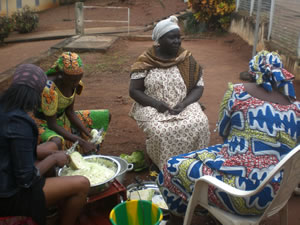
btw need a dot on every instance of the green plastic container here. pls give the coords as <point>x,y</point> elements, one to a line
<point>136,212</point>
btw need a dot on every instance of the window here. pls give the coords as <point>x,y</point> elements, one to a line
<point>19,4</point>
<point>37,2</point>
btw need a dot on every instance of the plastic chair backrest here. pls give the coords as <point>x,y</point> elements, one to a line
<point>290,165</point>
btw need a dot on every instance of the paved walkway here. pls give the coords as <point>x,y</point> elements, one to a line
<point>94,39</point>
<point>61,34</point>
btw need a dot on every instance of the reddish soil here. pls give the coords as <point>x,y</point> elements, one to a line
<point>107,75</point>
<point>142,12</point>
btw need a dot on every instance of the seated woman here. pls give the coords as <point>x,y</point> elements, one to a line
<point>23,189</point>
<point>57,120</point>
<point>260,125</point>
<point>166,84</point>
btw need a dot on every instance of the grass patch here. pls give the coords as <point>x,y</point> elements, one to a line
<point>107,63</point>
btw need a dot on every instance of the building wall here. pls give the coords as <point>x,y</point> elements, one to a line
<point>10,6</point>
<point>278,31</point>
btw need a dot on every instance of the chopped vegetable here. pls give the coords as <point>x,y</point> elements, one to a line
<point>96,172</point>
<point>137,159</point>
<point>159,200</point>
<point>149,195</point>
<point>145,194</point>
<point>97,136</point>
<point>77,161</point>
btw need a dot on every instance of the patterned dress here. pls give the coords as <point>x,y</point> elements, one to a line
<point>169,135</point>
<point>55,103</point>
<point>257,134</point>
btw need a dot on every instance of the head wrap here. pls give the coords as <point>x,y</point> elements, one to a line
<point>164,26</point>
<point>31,76</point>
<point>267,69</point>
<point>69,63</point>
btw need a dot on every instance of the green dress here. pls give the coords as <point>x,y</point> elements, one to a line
<point>55,103</point>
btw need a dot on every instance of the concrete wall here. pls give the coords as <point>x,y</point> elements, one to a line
<point>10,6</point>
<point>244,26</point>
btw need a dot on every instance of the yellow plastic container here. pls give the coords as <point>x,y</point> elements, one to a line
<point>136,212</point>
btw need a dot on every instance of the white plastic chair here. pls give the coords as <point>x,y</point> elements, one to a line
<point>290,164</point>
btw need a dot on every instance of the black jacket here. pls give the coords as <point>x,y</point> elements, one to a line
<point>18,142</point>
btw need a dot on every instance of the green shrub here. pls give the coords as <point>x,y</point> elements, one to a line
<point>6,26</point>
<point>216,14</point>
<point>191,25</point>
<point>26,20</point>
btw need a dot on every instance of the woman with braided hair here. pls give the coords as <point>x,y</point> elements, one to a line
<point>57,120</point>
<point>260,124</point>
<point>25,191</point>
<point>166,84</point>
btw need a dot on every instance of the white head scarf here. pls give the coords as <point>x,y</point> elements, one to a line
<point>163,27</point>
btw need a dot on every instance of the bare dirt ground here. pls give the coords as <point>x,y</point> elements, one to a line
<point>107,75</point>
<point>142,12</point>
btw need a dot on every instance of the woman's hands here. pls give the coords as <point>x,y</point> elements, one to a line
<point>87,146</point>
<point>61,158</point>
<point>161,106</point>
<point>177,109</point>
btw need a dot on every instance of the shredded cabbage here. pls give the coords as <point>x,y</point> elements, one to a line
<point>95,172</point>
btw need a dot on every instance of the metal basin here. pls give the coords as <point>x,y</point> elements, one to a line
<point>107,161</point>
<point>125,166</point>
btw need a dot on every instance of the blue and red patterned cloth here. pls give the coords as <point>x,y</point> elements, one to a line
<point>257,134</point>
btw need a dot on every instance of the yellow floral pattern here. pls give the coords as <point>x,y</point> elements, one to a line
<point>53,101</point>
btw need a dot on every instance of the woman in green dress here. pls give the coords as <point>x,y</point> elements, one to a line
<point>57,120</point>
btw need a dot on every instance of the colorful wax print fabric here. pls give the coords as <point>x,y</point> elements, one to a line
<point>257,134</point>
<point>55,103</point>
<point>69,63</point>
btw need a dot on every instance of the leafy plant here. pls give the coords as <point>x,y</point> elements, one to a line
<point>137,158</point>
<point>6,26</point>
<point>214,13</point>
<point>26,20</point>
<point>191,25</point>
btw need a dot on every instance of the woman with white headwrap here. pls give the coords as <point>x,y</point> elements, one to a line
<point>166,84</point>
<point>259,123</point>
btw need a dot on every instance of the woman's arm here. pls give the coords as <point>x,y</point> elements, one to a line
<point>75,121</point>
<point>52,124</point>
<point>22,151</point>
<point>193,96</point>
<point>56,159</point>
<point>136,92</point>
<point>45,149</point>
